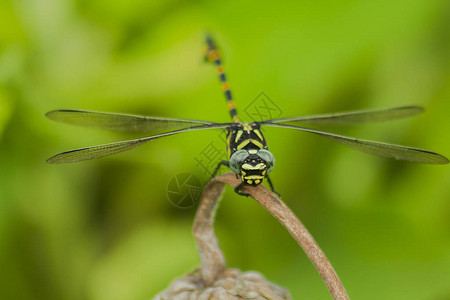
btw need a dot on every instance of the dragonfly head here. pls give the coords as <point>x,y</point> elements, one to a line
<point>252,165</point>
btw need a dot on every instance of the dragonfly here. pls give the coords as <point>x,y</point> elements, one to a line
<point>247,151</point>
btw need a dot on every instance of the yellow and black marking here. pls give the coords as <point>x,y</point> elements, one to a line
<point>248,136</point>
<point>212,55</point>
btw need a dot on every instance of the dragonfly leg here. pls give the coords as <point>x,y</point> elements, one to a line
<point>222,163</point>
<point>271,186</point>
<point>237,190</point>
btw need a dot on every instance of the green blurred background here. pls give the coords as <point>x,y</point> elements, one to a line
<point>104,229</point>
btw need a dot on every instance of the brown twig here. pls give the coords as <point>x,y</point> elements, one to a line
<point>212,259</point>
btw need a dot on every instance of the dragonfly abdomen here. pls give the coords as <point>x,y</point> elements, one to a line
<point>213,56</point>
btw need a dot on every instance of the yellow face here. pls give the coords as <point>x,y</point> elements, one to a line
<point>253,165</point>
<point>253,174</point>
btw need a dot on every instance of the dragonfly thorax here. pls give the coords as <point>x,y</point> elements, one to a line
<point>246,136</point>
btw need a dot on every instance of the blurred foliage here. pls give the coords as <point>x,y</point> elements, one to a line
<point>104,229</point>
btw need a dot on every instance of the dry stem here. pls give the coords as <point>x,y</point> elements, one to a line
<point>212,259</point>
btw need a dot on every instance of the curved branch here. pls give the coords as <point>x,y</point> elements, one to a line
<point>212,259</point>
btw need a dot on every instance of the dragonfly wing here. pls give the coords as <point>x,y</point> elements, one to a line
<point>114,148</point>
<point>120,122</point>
<point>354,117</point>
<point>378,148</point>
<point>94,152</point>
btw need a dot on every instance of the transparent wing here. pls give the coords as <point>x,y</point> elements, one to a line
<point>114,148</point>
<point>120,122</point>
<point>354,117</point>
<point>377,148</point>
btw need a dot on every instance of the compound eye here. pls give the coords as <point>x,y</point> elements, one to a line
<point>268,157</point>
<point>237,159</point>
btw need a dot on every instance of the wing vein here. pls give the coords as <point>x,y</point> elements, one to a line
<point>353,117</point>
<point>377,148</point>
<point>120,122</point>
